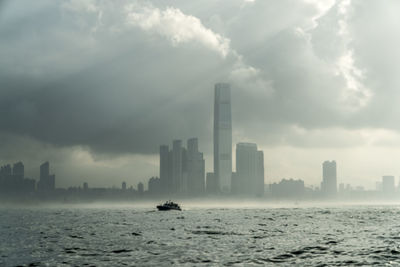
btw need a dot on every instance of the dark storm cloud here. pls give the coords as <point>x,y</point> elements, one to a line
<point>124,80</point>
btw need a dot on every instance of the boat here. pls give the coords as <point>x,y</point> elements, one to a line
<point>168,205</point>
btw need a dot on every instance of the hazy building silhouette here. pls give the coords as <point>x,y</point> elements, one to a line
<point>182,169</point>
<point>388,186</point>
<point>47,181</point>
<point>288,189</point>
<point>123,186</point>
<point>140,188</point>
<point>154,185</point>
<point>249,176</point>
<point>176,166</point>
<point>184,183</point>
<point>195,167</point>
<point>85,186</point>
<point>223,137</point>
<point>165,169</point>
<point>329,179</point>
<point>13,181</point>
<point>235,183</point>
<point>6,171</point>
<point>44,170</point>
<point>212,186</point>
<point>341,187</point>
<point>260,173</point>
<point>19,171</point>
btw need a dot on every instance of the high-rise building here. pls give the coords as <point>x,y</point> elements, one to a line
<point>13,181</point>
<point>195,168</point>
<point>177,166</point>
<point>47,181</point>
<point>260,173</point>
<point>388,186</point>
<point>249,178</point>
<point>288,189</point>
<point>140,188</point>
<point>165,177</point>
<point>154,185</point>
<point>329,179</point>
<point>18,171</point>
<point>223,137</point>
<point>182,170</point>
<point>44,170</point>
<point>211,183</point>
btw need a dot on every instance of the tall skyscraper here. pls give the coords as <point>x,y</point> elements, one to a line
<point>223,137</point>
<point>249,178</point>
<point>329,179</point>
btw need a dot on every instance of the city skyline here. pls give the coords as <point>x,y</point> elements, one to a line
<point>182,169</point>
<point>94,100</point>
<point>247,184</point>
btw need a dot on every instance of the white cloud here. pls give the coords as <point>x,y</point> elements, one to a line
<point>322,7</point>
<point>176,26</point>
<point>356,94</point>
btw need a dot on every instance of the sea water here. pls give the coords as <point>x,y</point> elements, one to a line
<point>199,236</point>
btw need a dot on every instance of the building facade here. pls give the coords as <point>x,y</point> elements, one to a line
<point>182,169</point>
<point>47,181</point>
<point>223,137</point>
<point>249,177</point>
<point>329,179</point>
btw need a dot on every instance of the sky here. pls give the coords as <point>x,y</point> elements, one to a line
<point>96,86</point>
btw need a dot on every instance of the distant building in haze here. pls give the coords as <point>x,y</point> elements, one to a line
<point>388,186</point>
<point>154,185</point>
<point>177,183</point>
<point>140,188</point>
<point>195,167</point>
<point>288,189</point>
<point>13,181</point>
<point>223,137</point>
<point>47,181</point>
<point>249,177</point>
<point>165,169</point>
<point>182,169</point>
<point>19,170</point>
<point>212,186</point>
<point>329,179</point>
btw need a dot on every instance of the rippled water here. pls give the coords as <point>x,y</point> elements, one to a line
<point>118,236</point>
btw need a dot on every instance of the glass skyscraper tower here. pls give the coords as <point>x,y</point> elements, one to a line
<point>223,137</point>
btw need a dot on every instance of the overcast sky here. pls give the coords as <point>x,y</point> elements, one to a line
<point>96,86</point>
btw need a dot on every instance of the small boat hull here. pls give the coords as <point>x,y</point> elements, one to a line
<point>162,207</point>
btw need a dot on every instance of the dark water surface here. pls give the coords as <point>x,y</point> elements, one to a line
<point>128,236</point>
